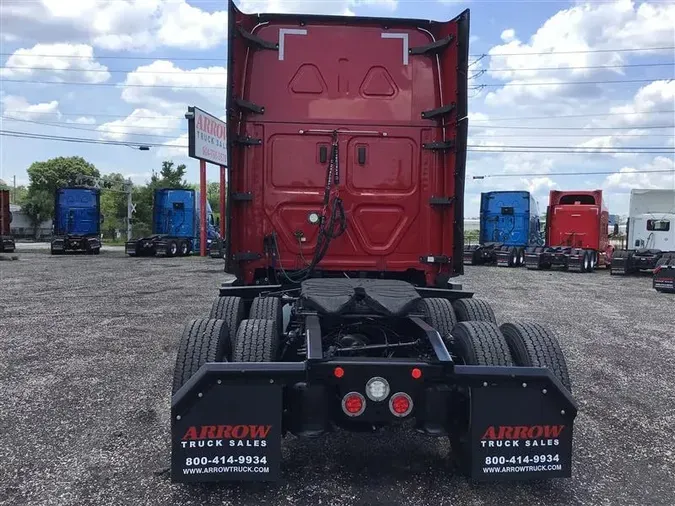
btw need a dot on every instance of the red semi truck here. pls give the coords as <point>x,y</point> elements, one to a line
<point>346,165</point>
<point>577,228</point>
<point>6,240</point>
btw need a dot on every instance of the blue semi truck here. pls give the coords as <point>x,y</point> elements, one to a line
<point>175,226</point>
<point>77,221</point>
<point>509,223</point>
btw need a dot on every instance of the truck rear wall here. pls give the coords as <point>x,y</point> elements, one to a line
<point>508,217</point>
<point>77,212</point>
<point>578,219</point>
<point>174,213</point>
<point>356,76</point>
<point>5,216</point>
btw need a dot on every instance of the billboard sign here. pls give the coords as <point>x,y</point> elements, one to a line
<point>206,137</point>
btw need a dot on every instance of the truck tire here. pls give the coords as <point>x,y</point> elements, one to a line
<point>183,248</point>
<point>474,310</point>
<point>521,257</point>
<point>440,315</point>
<point>203,340</point>
<point>256,341</point>
<point>230,309</point>
<point>171,248</point>
<point>513,257</point>
<point>268,308</point>
<point>481,343</point>
<point>533,345</point>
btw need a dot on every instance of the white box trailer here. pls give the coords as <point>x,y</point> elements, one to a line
<point>650,233</point>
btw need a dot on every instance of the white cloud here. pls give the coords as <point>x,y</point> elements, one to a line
<point>174,148</point>
<point>656,96</point>
<point>56,62</point>
<point>143,122</point>
<point>508,35</point>
<point>83,120</point>
<point>630,177</point>
<point>18,107</point>
<point>583,27</point>
<point>115,24</point>
<point>173,88</point>
<point>336,7</point>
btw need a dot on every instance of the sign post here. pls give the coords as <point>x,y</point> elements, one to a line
<point>207,143</point>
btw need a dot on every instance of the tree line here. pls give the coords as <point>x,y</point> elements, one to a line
<point>45,177</point>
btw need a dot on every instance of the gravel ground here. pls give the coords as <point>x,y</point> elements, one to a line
<point>87,352</point>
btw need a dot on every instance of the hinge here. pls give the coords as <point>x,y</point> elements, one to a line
<point>434,47</point>
<point>435,259</point>
<point>439,146</point>
<point>257,41</point>
<point>441,201</point>
<point>247,141</point>
<point>438,112</point>
<point>246,257</point>
<point>242,197</point>
<point>249,106</point>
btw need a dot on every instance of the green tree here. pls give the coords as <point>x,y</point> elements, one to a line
<point>39,207</point>
<point>59,172</point>
<point>113,203</point>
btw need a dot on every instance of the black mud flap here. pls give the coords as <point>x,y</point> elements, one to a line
<point>231,433</point>
<point>522,429</point>
<point>226,424</point>
<point>664,279</point>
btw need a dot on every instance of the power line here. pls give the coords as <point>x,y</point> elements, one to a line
<point>590,129</point>
<point>557,116</point>
<point>502,118</point>
<point>556,174</point>
<point>195,72</point>
<point>118,85</point>
<point>478,55</point>
<point>28,135</point>
<point>582,51</point>
<point>574,83</point>
<point>104,130</point>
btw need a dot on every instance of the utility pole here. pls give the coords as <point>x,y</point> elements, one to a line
<point>14,189</point>
<point>131,207</point>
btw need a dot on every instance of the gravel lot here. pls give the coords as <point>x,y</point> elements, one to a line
<point>87,349</point>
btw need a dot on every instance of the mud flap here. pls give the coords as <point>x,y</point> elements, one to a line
<point>533,259</point>
<point>230,433</point>
<point>520,433</point>
<point>664,279</point>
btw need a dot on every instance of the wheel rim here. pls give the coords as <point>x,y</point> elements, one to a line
<point>587,263</point>
<point>184,249</point>
<point>174,248</point>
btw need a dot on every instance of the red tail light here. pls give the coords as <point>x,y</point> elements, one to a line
<point>353,404</point>
<point>400,404</point>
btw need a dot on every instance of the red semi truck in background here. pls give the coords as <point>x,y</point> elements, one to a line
<point>6,240</point>
<point>577,238</point>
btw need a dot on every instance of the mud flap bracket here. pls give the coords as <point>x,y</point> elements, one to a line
<point>249,106</point>
<point>257,41</point>
<point>433,48</point>
<point>439,146</point>
<point>433,113</point>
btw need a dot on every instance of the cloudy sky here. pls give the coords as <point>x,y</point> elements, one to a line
<point>545,74</point>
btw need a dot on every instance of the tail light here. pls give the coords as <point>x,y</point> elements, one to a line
<point>400,404</point>
<point>353,404</point>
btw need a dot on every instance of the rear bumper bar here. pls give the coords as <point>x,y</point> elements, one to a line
<point>521,418</point>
